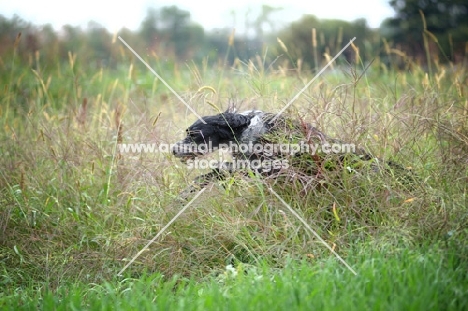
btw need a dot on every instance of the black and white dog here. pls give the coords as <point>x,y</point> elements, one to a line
<point>258,144</point>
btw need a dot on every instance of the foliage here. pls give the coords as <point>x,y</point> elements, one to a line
<point>169,34</point>
<point>442,23</point>
<point>389,279</point>
<point>310,38</point>
<point>75,208</point>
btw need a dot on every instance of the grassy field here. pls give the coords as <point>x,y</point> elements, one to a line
<point>74,210</point>
<point>396,279</point>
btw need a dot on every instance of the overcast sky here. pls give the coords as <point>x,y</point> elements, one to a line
<point>211,14</point>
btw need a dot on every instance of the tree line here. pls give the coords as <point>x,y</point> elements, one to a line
<point>169,33</point>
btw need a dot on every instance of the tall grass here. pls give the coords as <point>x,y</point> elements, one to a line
<point>75,210</point>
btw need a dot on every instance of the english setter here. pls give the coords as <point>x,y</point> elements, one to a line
<point>262,146</point>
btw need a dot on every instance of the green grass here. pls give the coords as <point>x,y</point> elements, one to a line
<point>73,211</point>
<point>430,278</point>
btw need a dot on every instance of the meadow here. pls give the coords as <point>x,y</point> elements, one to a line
<point>74,209</point>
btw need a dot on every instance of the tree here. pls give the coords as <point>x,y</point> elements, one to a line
<point>264,18</point>
<point>149,26</point>
<point>171,31</point>
<point>445,19</point>
<point>331,36</point>
<point>9,31</point>
<point>185,36</point>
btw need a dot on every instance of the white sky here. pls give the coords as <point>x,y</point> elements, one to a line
<point>209,13</point>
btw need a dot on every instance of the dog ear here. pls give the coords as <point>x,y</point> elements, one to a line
<point>232,120</point>
<point>230,125</point>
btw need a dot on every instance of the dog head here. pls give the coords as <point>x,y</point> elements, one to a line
<point>205,137</point>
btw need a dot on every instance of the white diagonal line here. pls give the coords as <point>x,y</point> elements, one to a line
<point>311,81</point>
<point>160,232</point>
<point>162,80</point>
<point>312,230</point>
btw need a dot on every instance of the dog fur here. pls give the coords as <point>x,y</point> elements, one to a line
<point>255,127</point>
